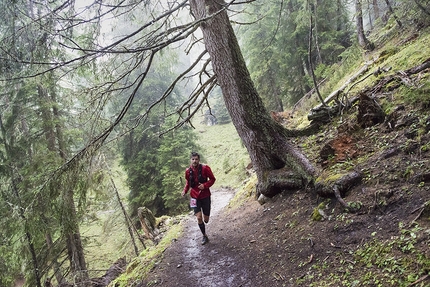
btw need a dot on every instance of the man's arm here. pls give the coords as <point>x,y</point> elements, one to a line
<point>187,184</point>
<point>210,175</point>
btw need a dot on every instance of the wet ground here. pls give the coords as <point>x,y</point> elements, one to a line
<point>283,244</point>
<point>188,263</point>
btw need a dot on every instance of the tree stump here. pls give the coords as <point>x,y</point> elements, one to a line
<point>147,222</point>
<point>370,112</point>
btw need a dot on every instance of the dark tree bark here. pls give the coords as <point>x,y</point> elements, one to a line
<point>278,164</point>
<point>311,66</point>
<point>375,9</point>
<point>114,271</point>
<point>362,39</point>
<point>50,115</point>
<point>390,8</point>
<point>75,250</point>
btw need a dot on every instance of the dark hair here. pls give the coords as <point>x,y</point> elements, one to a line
<point>194,154</point>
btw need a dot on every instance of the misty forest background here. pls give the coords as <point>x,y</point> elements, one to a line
<point>100,103</point>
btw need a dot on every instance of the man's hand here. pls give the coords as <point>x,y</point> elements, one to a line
<point>183,193</point>
<point>201,186</point>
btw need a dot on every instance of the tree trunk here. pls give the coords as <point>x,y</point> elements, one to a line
<point>71,232</point>
<point>314,25</point>
<point>128,222</point>
<point>311,66</point>
<point>390,8</point>
<point>422,7</point>
<point>375,9</point>
<point>370,16</point>
<point>278,164</point>
<point>48,118</point>
<point>57,267</point>
<point>362,40</point>
<point>70,224</point>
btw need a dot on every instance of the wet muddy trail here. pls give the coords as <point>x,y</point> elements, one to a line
<point>188,263</point>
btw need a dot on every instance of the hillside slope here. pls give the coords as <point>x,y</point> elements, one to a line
<point>300,239</point>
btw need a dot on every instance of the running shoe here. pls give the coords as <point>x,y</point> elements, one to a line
<point>205,240</point>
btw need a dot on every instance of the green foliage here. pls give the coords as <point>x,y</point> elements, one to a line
<point>154,164</point>
<point>396,270</point>
<point>155,168</point>
<point>143,173</point>
<point>9,253</point>
<point>276,47</point>
<point>173,158</point>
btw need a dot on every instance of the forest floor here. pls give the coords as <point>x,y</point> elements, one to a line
<point>300,239</point>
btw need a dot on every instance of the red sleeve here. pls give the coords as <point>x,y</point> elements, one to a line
<point>208,173</point>
<point>187,182</point>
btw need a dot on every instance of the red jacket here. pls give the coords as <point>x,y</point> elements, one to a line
<point>195,191</point>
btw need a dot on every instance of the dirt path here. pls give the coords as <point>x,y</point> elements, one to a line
<point>187,263</point>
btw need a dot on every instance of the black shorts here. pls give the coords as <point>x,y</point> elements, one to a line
<point>204,205</point>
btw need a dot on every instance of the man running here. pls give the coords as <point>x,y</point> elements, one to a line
<point>199,178</point>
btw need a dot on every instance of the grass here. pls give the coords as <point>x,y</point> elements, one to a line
<point>396,54</point>
<point>104,228</point>
<point>145,262</point>
<point>223,151</point>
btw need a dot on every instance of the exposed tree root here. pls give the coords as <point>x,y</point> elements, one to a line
<point>279,180</point>
<point>339,187</point>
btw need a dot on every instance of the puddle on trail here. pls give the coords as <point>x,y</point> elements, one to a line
<point>208,265</point>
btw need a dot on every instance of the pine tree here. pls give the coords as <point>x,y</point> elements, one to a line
<point>173,155</point>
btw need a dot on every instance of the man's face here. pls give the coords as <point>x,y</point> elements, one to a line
<point>195,160</point>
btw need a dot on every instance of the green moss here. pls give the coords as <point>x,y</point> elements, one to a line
<point>389,51</point>
<point>316,214</point>
<point>244,193</point>
<point>141,265</point>
<point>329,179</point>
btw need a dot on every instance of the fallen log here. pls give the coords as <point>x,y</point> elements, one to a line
<point>112,273</point>
<point>419,68</point>
<point>336,93</point>
<point>323,114</point>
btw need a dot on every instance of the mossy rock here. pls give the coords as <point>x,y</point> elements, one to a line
<point>318,212</point>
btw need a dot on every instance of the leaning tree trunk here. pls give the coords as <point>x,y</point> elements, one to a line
<point>278,164</point>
